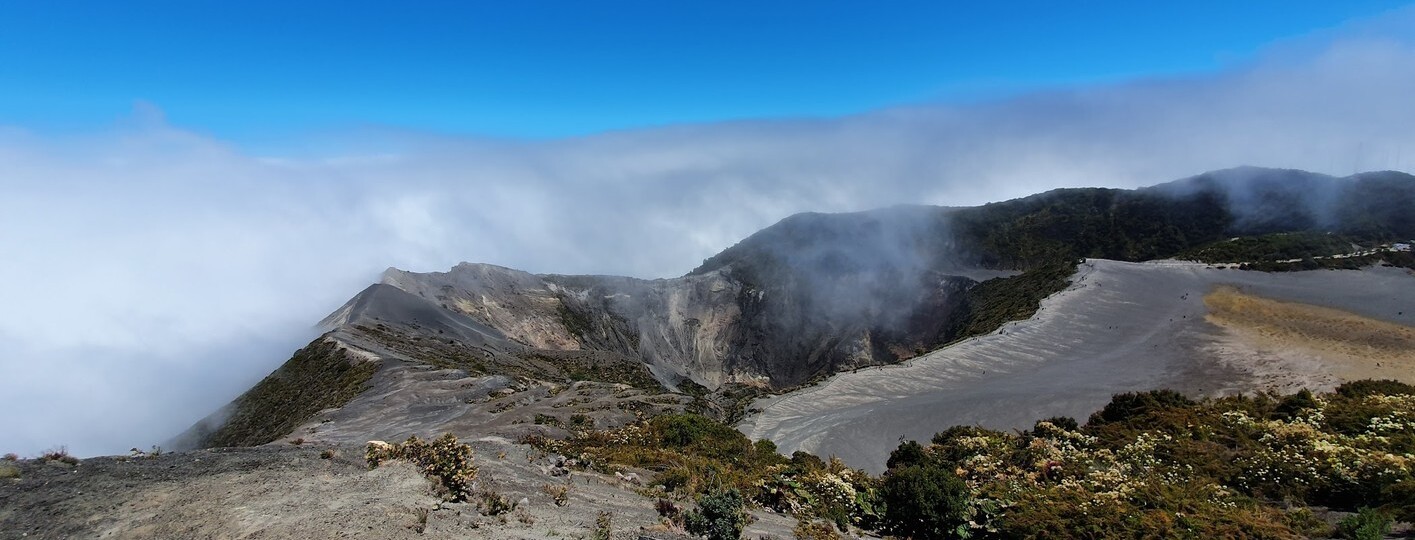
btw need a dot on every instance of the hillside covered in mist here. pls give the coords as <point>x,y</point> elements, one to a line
<point>814,294</point>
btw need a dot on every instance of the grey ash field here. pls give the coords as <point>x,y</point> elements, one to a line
<point>1118,327</point>
<point>832,334</point>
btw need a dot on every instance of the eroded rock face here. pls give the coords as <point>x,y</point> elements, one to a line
<point>723,326</point>
<point>519,304</point>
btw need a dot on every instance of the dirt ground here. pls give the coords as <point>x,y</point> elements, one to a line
<point>1352,346</point>
<point>292,492</point>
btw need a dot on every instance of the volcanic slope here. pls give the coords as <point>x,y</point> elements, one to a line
<point>1118,327</point>
<point>813,295</point>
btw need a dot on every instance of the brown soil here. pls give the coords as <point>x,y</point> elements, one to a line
<point>1350,345</point>
<point>291,492</point>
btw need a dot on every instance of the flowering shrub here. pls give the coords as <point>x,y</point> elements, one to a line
<point>1152,464</point>
<point>1155,464</point>
<point>444,460</point>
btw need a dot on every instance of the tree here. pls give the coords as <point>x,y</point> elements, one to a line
<point>925,501</point>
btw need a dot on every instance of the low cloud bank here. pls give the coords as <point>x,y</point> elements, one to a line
<point>152,273</point>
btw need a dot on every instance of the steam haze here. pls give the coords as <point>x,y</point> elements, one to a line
<point>151,273</point>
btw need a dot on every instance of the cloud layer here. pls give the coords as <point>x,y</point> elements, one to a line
<point>151,273</point>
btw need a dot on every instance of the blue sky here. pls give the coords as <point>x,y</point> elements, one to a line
<point>264,73</point>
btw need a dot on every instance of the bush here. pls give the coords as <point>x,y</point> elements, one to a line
<point>1367,387</point>
<point>1367,524</point>
<point>764,447</point>
<point>667,510</point>
<point>1132,405</point>
<point>815,530</point>
<point>60,454</point>
<point>1402,497</point>
<point>12,457</point>
<point>559,493</point>
<point>8,470</point>
<point>495,504</point>
<point>444,460</point>
<point>1064,422</point>
<point>925,501</point>
<point>909,453</point>
<point>719,516</point>
<point>603,527</point>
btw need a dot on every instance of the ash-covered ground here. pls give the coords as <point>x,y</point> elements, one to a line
<point>1119,327</point>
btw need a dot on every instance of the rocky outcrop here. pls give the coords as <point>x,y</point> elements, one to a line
<point>712,328</point>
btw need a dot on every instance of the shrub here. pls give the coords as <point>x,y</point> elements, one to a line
<point>1367,387</point>
<point>1402,497</point>
<point>559,493</point>
<point>60,454</point>
<point>1307,523</point>
<point>444,460</point>
<point>12,457</point>
<point>765,446</point>
<point>666,509</point>
<point>925,501</point>
<point>908,453</point>
<point>328,453</point>
<point>495,504</point>
<point>702,434</point>
<point>547,420</point>
<point>1131,405</point>
<point>8,470</point>
<point>1291,407</point>
<point>1367,524</point>
<point>1064,422</point>
<point>719,516</point>
<point>297,441</point>
<point>814,530</point>
<point>603,527</point>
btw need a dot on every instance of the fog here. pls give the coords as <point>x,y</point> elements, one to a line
<point>151,272</point>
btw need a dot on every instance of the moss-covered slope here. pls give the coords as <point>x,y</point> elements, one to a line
<point>320,376</point>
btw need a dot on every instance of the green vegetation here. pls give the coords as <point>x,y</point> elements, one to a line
<point>603,527</point>
<point>495,504</point>
<point>560,493</point>
<point>444,460</point>
<point>925,500</point>
<point>9,470</point>
<point>807,529</point>
<point>318,377</point>
<point>1367,524</point>
<point>719,516</point>
<point>1390,258</point>
<point>1157,464</point>
<point>598,366</point>
<point>1270,247</point>
<point>990,304</point>
<point>1068,224</point>
<point>1149,464</point>
<point>576,322</point>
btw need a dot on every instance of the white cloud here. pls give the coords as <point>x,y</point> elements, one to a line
<point>149,274</point>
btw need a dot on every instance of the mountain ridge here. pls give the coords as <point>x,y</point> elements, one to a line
<point>816,294</point>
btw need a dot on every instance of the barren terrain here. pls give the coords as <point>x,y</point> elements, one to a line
<point>1118,327</point>
<point>287,491</point>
